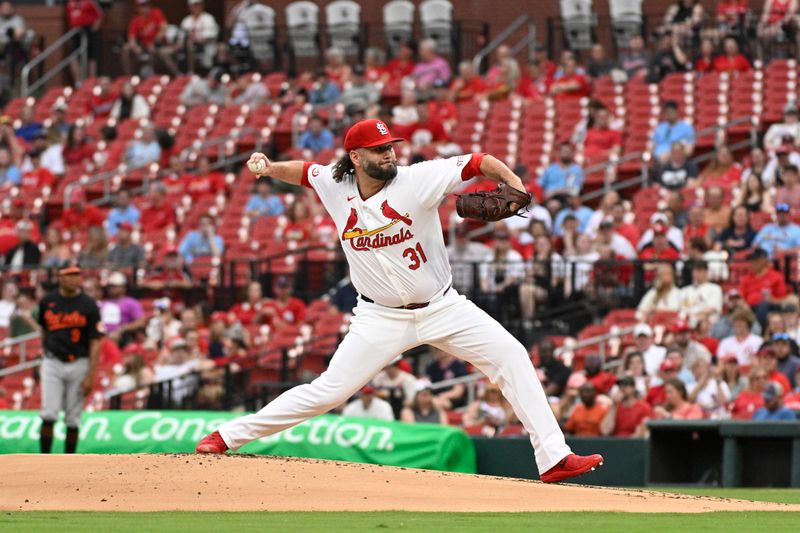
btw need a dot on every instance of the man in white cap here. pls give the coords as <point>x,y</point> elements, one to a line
<point>652,353</point>
<point>674,235</point>
<point>790,127</point>
<point>119,313</point>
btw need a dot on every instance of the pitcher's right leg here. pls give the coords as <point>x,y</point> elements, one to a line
<point>377,335</point>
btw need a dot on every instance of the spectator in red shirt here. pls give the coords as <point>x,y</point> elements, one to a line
<point>157,214</point>
<point>77,148</point>
<point>468,84</point>
<point>626,229</point>
<point>428,130</point>
<point>656,395</point>
<point>145,31</point>
<point>705,61</point>
<point>102,99</point>
<point>768,362</point>
<point>601,141</point>
<point>81,215</point>
<point>631,412</point>
<point>601,379</point>
<point>300,225</point>
<point>534,83</point>
<point>38,177</point>
<point>658,250</point>
<point>722,171</point>
<point>254,309</point>
<point>547,65</point>
<point>285,308</point>
<point>441,107</point>
<point>86,15</point>
<point>175,179</point>
<point>402,64</point>
<point>731,60</point>
<point>170,276</point>
<point>695,225</point>
<point>572,84</point>
<point>750,400</point>
<point>205,183</point>
<point>763,288</point>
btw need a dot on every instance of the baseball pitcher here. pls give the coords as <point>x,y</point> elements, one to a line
<point>388,223</point>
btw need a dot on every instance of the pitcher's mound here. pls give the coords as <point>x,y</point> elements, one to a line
<point>176,482</point>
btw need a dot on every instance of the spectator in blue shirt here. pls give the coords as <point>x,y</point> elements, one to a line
<point>574,208</point>
<point>773,405</point>
<point>262,203</point>
<point>202,242</point>
<point>783,234</point>
<point>323,92</point>
<point>9,172</point>
<point>144,150</point>
<point>317,137</point>
<point>29,128</point>
<point>564,177</point>
<point>670,131</point>
<point>122,213</point>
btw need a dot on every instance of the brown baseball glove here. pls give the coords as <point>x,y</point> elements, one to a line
<point>492,206</point>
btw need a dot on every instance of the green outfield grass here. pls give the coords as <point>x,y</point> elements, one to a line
<point>397,521</point>
<point>401,521</point>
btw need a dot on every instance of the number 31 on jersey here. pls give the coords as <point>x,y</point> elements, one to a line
<point>416,256</point>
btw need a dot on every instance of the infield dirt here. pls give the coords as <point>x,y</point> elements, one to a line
<point>178,482</point>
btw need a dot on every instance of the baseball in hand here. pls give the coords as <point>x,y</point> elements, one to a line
<point>257,165</point>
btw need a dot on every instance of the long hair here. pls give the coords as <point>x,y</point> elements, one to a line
<point>343,168</point>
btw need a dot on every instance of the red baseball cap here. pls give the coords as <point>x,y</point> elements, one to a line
<point>680,326</point>
<point>125,225</point>
<point>668,365</point>
<point>368,133</point>
<point>219,315</point>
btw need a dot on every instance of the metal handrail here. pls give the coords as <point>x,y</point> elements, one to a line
<point>33,363</point>
<point>21,340</point>
<point>497,41</point>
<point>529,41</point>
<point>598,339</point>
<point>26,88</point>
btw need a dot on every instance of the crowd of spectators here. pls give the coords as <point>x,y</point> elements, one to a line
<point>564,249</point>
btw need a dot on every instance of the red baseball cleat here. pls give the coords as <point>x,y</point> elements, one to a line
<point>572,466</point>
<point>212,443</point>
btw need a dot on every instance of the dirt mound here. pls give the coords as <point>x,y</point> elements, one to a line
<point>249,483</point>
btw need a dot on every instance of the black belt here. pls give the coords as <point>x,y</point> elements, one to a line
<point>409,306</point>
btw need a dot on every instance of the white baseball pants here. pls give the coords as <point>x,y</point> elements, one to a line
<point>378,334</point>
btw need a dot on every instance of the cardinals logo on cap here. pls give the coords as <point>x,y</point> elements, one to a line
<point>382,129</point>
<point>362,239</point>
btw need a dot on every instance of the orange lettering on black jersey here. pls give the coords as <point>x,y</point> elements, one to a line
<point>56,321</point>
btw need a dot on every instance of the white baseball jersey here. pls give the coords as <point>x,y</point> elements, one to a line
<point>393,240</point>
